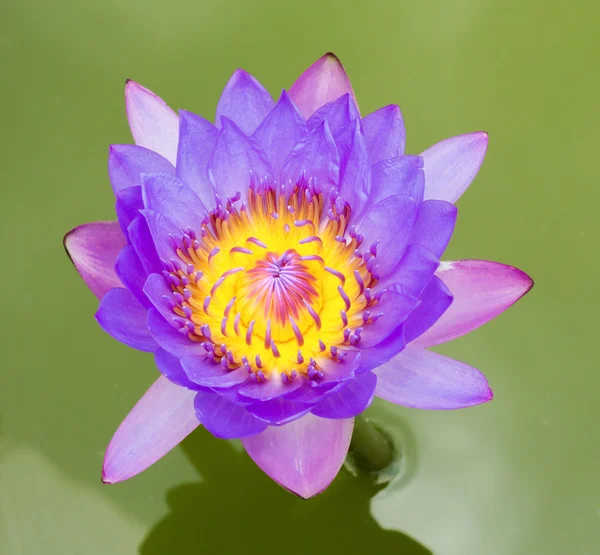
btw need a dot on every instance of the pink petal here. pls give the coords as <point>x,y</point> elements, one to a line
<point>451,165</point>
<point>424,380</point>
<point>481,290</point>
<point>160,420</point>
<point>303,456</point>
<point>322,82</point>
<point>93,249</point>
<point>153,124</point>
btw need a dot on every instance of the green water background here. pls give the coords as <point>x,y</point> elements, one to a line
<point>517,476</point>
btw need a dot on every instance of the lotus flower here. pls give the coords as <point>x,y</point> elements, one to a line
<point>283,265</point>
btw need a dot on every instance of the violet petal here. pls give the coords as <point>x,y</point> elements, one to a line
<point>173,199</point>
<point>282,129</point>
<point>389,223</point>
<point>421,379</point>
<point>141,238</point>
<point>397,176</point>
<point>384,133</point>
<point>271,388</point>
<point>317,155</point>
<point>122,316</point>
<point>129,269</point>
<point>161,419</point>
<point>204,371</point>
<point>373,357</point>
<point>224,418</point>
<point>434,226</point>
<point>236,157</point>
<point>395,305</point>
<point>338,113</point>
<point>244,101</point>
<point>126,163</point>
<point>435,300</point>
<point>303,456</point>
<point>355,173</point>
<point>170,367</point>
<point>128,206</point>
<point>414,271</point>
<point>355,397</point>
<point>165,235</point>
<point>169,338</point>
<point>197,139</point>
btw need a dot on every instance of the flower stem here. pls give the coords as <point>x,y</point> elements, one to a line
<point>372,451</point>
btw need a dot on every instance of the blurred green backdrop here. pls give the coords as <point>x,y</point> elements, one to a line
<point>518,476</point>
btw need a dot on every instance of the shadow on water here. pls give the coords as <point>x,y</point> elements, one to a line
<point>237,508</point>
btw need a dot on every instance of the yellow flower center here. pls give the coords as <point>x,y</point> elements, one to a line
<point>275,285</point>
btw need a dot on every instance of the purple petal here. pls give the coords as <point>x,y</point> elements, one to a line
<point>153,124</point>
<point>129,204</point>
<point>338,370</point>
<point>173,199</point>
<point>435,300</point>
<point>355,173</point>
<point>304,456</point>
<point>414,271</point>
<point>338,113</point>
<point>224,418</point>
<point>162,418</point>
<point>482,290</point>
<point>389,224</point>
<point>452,164</point>
<point>170,367</point>
<point>206,372</point>
<point>382,352</point>
<point>398,176</point>
<point>321,83</point>
<point>434,226</point>
<point>161,297</point>
<point>127,162</point>
<point>122,316</point>
<point>394,306</point>
<point>424,380</point>
<point>93,249</point>
<point>355,397</point>
<point>271,388</point>
<point>129,269</point>
<point>384,133</point>
<point>280,132</point>
<point>141,239</point>
<point>169,338</point>
<point>244,101</point>
<point>165,235</point>
<point>279,410</point>
<point>317,155</point>
<point>236,157</point>
<point>197,139</point>
<point>312,395</point>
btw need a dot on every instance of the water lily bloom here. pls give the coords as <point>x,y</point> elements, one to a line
<point>283,266</point>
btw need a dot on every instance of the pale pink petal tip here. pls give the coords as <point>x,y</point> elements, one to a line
<point>324,81</point>
<point>153,124</point>
<point>93,249</point>
<point>451,165</point>
<point>482,290</point>
<point>160,420</point>
<point>303,456</point>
